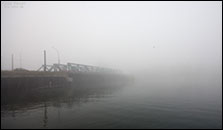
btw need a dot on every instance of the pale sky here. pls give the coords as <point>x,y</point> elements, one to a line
<point>130,36</point>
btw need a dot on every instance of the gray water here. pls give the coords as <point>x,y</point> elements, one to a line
<point>186,100</point>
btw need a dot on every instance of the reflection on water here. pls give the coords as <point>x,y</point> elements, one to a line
<point>16,104</point>
<point>45,116</point>
<point>138,105</point>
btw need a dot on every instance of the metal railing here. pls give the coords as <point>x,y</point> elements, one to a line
<point>74,67</point>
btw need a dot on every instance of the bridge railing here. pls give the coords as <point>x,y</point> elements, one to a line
<point>74,67</point>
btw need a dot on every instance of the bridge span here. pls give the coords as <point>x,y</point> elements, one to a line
<point>74,67</point>
<point>62,75</point>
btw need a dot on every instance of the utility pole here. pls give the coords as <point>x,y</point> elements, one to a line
<point>12,63</point>
<point>44,60</point>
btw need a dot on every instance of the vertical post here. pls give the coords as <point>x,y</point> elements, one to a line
<point>44,60</point>
<point>12,63</point>
<point>20,60</point>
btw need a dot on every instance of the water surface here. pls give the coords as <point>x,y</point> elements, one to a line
<point>158,102</point>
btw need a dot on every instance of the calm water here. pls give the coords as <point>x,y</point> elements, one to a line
<point>158,102</point>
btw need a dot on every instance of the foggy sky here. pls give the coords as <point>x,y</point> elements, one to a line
<point>130,36</point>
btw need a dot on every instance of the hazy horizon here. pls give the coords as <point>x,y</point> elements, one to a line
<point>170,54</point>
<point>130,36</point>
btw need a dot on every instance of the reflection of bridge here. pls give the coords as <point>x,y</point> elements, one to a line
<point>73,67</point>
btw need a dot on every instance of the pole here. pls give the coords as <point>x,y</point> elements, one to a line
<point>44,60</point>
<point>12,63</point>
<point>20,60</point>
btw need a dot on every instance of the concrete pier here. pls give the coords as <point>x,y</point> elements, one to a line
<point>34,79</point>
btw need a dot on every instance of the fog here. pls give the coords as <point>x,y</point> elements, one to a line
<point>134,37</point>
<point>172,50</point>
<point>130,36</point>
<point>138,38</point>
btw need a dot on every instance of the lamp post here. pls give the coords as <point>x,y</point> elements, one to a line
<point>58,55</point>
